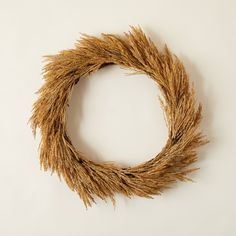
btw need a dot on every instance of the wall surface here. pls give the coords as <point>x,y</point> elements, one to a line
<point>117,117</point>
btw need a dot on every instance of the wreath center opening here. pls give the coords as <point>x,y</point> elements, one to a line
<point>116,116</point>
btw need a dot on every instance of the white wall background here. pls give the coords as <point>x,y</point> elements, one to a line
<point>116,117</point>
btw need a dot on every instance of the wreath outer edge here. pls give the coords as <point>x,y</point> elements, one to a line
<point>135,51</point>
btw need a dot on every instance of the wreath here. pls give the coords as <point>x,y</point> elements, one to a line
<point>134,50</point>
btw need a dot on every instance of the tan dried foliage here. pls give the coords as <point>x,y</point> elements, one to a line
<point>88,178</point>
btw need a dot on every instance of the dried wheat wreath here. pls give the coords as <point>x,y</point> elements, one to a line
<point>88,178</point>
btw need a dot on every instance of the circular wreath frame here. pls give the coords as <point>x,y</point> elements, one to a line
<point>88,178</point>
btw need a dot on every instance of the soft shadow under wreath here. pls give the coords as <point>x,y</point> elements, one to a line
<point>88,178</point>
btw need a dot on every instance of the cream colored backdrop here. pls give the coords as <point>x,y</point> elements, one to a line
<point>117,117</point>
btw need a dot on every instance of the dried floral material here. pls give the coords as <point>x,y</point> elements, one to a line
<point>88,178</point>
